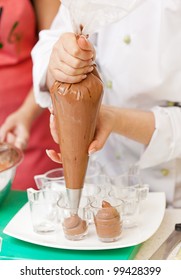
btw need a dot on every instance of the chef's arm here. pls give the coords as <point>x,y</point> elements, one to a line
<point>45,11</point>
<point>134,124</point>
<point>158,130</point>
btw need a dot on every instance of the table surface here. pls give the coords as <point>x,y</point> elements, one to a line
<point>171,217</point>
<point>13,248</point>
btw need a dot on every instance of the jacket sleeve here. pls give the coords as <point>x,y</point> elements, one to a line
<point>42,51</point>
<point>165,144</point>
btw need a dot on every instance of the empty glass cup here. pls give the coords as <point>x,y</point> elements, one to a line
<point>94,169</point>
<point>91,191</point>
<point>130,197</point>
<point>132,180</point>
<point>53,179</point>
<point>43,208</point>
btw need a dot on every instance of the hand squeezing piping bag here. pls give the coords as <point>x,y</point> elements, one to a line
<point>76,108</point>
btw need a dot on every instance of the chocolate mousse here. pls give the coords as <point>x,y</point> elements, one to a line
<point>76,108</point>
<point>108,222</point>
<point>74,226</point>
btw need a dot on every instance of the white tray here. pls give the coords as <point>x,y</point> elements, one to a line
<point>151,215</point>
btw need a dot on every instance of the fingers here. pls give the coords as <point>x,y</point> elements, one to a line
<point>17,141</point>
<point>68,74</point>
<point>5,128</point>
<point>75,71</point>
<point>21,143</point>
<point>16,134</point>
<point>104,128</point>
<point>54,156</point>
<point>71,59</point>
<point>23,136</point>
<point>70,40</point>
<point>10,138</point>
<point>84,44</point>
<point>98,142</point>
<point>53,129</point>
<point>51,109</point>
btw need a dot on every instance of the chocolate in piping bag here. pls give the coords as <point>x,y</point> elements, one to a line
<point>76,108</point>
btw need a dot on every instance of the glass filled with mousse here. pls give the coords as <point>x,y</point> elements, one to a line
<point>107,218</point>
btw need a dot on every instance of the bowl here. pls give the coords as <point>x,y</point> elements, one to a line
<point>10,158</point>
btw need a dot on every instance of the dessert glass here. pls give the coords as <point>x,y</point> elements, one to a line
<point>132,180</point>
<point>53,179</point>
<point>74,221</point>
<point>94,169</point>
<point>107,215</point>
<point>131,202</point>
<point>43,208</point>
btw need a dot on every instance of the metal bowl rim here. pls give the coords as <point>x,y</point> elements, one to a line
<point>19,158</point>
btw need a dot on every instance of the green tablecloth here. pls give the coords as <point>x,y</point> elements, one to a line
<point>13,248</point>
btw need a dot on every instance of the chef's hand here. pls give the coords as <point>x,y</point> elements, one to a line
<point>16,130</point>
<point>53,155</point>
<point>71,59</point>
<point>104,128</point>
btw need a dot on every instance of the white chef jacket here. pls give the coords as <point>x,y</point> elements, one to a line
<point>139,59</point>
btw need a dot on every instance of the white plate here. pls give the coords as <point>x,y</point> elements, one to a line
<point>151,215</point>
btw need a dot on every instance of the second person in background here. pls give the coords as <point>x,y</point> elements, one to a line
<point>23,122</point>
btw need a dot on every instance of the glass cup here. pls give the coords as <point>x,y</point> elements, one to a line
<point>143,191</point>
<point>91,191</point>
<point>107,215</point>
<point>73,220</point>
<point>43,208</point>
<point>97,187</point>
<point>130,197</point>
<point>132,180</point>
<point>53,179</point>
<point>94,169</point>
<point>84,203</point>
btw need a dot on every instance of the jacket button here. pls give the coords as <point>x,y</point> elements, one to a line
<point>165,172</point>
<point>127,39</point>
<point>170,103</point>
<point>109,84</point>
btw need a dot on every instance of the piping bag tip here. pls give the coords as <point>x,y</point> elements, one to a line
<point>74,196</point>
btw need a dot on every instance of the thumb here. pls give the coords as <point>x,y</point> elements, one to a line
<point>5,128</point>
<point>54,156</point>
<point>84,44</point>
<point>99,141</point>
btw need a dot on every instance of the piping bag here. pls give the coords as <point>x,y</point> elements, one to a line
<point>76,106</point>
